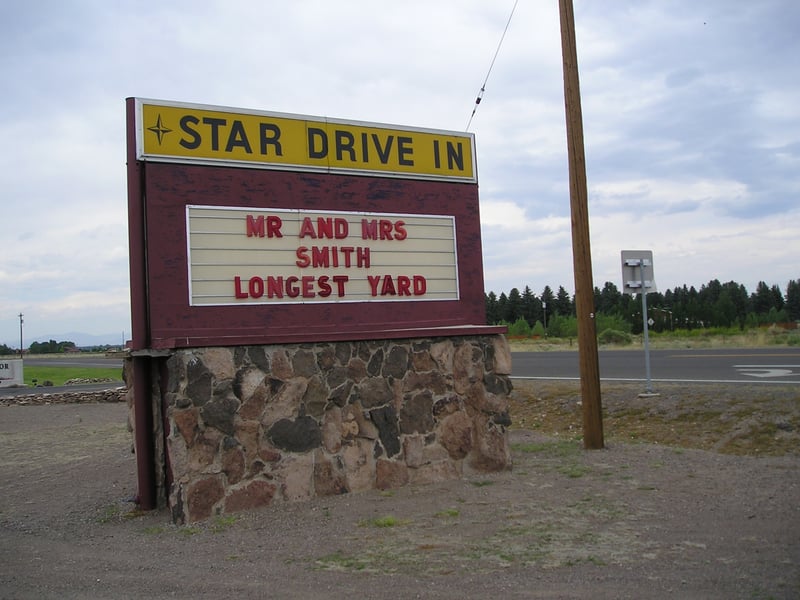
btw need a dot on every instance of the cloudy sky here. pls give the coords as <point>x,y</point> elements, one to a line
<point>691,116</point>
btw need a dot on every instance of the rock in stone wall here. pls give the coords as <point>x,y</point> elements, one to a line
<point>256,424</point>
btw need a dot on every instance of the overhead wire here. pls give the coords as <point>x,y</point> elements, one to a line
<point>494,58</point>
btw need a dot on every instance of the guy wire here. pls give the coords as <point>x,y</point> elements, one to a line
<point>496,52</point>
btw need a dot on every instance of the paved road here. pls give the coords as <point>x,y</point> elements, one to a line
<point>92,361</point>
<point>760,365</point>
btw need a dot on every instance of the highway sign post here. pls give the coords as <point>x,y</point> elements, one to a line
<point>638,278</point>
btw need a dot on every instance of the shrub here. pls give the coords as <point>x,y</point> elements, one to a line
<point>538,329</point>
<point>520,328</point>
<point>614,336</point>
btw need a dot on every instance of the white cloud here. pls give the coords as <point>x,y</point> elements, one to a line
<point>690,119</point>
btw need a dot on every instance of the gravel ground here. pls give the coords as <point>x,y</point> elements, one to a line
<point>636,520</point>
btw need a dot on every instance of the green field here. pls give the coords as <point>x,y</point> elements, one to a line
<point>60,375</point>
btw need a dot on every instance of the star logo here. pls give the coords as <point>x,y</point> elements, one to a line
<point>159,129</point>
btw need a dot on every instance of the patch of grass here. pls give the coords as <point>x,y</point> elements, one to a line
<point>221,523</point>
<point>385,521</point>
<point>566,452</point>
<point>339,561</point>
<point>543,533</point>
<point>60,375</point>
<point>754,421</point>
<point>762,439</point>
<point>448,512</point>
<point>574,470</point>
<point>154,530</point>
<point>109,513</point>
<point>482,483</point>
<point>597,507</point>
<point>591,559</point>
<point>115,512</point>
<point>190,531</point>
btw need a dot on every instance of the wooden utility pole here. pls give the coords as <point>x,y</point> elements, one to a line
<point>581,251</point>
<point>20,335</point>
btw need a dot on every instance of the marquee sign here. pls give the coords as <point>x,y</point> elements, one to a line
<point>239,255</point>
<point>212,135</point>
<point>252,227</point>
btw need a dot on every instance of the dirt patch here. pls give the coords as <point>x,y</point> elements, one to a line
<point>636,520</point>
<point>755,420</point>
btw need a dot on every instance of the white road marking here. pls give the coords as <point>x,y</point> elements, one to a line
<point>632,380</point>
<point>766,370</point>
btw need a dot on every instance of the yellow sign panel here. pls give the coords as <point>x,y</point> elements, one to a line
<point>196,133</point>
<point>265,256</point>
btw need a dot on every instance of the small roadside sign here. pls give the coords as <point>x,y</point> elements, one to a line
<point>11,372</point>
<point>637,272</point>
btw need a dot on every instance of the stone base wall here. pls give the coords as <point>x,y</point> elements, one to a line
<point>252,425</point>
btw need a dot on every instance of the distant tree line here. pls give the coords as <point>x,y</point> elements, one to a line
<point>51,347</point>
<point>54,347</point>
<point>714,305</point>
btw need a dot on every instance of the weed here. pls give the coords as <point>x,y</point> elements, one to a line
<point>340,562</point>
<point>222,523</point>
<point>574,470</point>
<point>109,513</point>
<point>387,521</point>
<point>482,483</point>
<point>189,531</point>
<point>587,559</point>
<point>448,512</point>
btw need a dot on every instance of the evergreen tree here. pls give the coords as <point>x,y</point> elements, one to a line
<point>709,294</point>
<point>738,296</point>
<point>502,302</point>
<point>761,301</point>
<point>724,313</point>
<point>608,301</point>
<point>563,302</point>
<point>714,304</point>
<point>493,315</point>
<point>513,306</point>
<point>777,297</point>
<point>793,300</point>
<point>530,306</point>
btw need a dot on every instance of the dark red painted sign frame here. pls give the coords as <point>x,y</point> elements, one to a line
<point>158,193</point>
